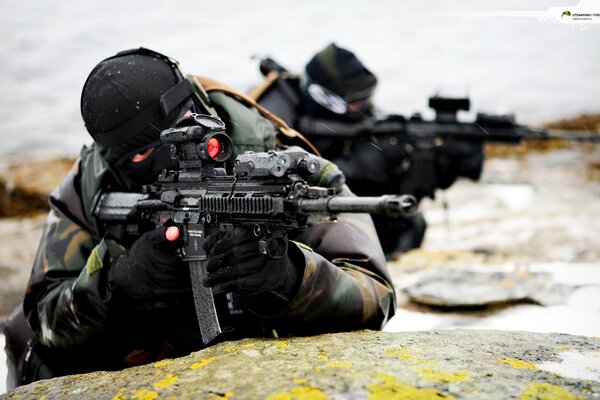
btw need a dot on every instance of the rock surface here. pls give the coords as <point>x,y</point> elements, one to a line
<point>24,190</point>
<point>366,364</point>
<point>470,288</point>
<point>19,239</point>
<point>24,187</point>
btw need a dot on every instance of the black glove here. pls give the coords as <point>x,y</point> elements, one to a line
<point>458,158</point>
<point>263,284</point>
<point>150,270</point>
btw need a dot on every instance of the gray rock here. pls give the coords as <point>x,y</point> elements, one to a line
<point>465,364</point>
<point>468,288</point>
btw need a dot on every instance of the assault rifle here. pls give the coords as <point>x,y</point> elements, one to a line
<point>430,154</point>
<point>268,192</point>
<point>485,127</point>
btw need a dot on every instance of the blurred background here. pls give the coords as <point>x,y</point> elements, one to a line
<point>536,68</point>
<point>534,218</point>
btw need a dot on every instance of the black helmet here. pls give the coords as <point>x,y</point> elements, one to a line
<point>336,84</point>
<point>128,99</point>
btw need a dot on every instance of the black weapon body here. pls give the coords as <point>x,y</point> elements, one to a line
<point>267,193</point>
<point>418,156</point>
<point>485,128</point>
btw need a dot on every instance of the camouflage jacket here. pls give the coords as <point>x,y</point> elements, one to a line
<point>81,328</point>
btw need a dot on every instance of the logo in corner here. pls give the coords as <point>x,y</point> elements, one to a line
<point>567,13</point>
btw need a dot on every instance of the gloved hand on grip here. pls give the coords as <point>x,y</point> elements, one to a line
<point>264,284</point>
<point>150,270</point>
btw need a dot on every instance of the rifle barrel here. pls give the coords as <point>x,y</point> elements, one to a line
<point>577,136</point>
<point>389,205</point>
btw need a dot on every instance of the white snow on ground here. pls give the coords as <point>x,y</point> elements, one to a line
<point>579,315</point>
<point>575,365</point>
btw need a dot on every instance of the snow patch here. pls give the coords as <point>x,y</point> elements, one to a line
<point>575,365</point>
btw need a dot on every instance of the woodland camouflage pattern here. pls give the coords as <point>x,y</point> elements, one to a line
<point>80,327</point>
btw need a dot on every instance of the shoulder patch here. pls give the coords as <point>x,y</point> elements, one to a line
<point>95,261</point>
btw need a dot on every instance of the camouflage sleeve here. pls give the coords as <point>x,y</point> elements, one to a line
<point>64,302</point>
<point>346,284</point>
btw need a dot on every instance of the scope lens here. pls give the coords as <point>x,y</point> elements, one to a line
<point>213,147</point>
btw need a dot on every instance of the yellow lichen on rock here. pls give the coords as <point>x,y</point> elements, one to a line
<point>424,362</point>
<point>339,364</point>
<point>322,356</point>
<point>560,349</point>
<point>281,344</point>
<point>120,395</point>
<point>162,363</point>
<point>401,353</point>
<point>166,381</point>
<point>144,394</point>
<point>202,363</point>
<point>547,391</point>
<point>230,349</point>
<point>513,362</point>
<point>300,393</point>
<point>436,375</point>
<point>391,389</point>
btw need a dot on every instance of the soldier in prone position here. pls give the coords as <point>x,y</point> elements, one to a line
<point>334,94</point>
<point>95,302</point>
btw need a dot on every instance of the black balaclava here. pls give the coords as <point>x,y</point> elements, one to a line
<point>127,100</point>
<point>337,72</point>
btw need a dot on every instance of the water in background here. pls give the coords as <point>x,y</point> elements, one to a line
<point>541,71</point>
